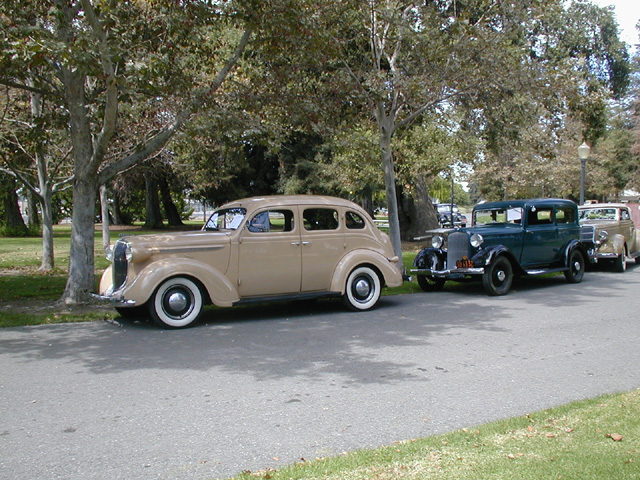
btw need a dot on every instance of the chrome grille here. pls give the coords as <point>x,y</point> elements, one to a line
<point>588,234</point>
<point>120,265</point>
<point>457,248</point>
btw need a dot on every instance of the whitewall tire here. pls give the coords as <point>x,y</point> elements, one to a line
<point>363,289</point>
<point>176,303</point>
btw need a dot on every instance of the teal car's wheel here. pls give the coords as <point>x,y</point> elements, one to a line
<point>576,265</point>
<point>498,277</point>
<point>176,303</point>
<point>430,284</point>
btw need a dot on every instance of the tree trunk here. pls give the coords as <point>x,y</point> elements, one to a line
<point>81,280</point>
<point>13,220</point>
<point>170,209</point>
<point>47,232</point>
<point>104,210</point>
<point>366,201</point>
<point>153,215</point>
<point>32,211</point>
<point>45,195</point>
<point>390,189</point>
<point>118,218</point>
<point>417,212</point>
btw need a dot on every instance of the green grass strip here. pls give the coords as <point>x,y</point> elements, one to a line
<point>586,440</point>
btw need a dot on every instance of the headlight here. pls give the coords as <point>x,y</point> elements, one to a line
<point>109,253</point>
<point>437,241</point>
<point>128,252</point>
<point>476,240</point>
<point>603,236</point>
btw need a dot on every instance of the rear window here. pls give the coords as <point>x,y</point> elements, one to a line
<point>354,221</point>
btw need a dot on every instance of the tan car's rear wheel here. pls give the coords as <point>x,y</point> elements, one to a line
<point>363,289</point>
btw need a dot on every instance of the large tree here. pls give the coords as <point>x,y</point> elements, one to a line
<point>97,58</point>
<point>532,136</point>
<point>408,59</point>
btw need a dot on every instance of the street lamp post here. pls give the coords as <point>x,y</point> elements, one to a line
<point>583,154</point>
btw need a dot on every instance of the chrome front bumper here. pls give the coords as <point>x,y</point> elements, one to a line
<point>118,301</point>
<point>453,272</point>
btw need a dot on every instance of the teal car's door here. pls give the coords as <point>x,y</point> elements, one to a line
<point>568,228</point>
<point>541,244</point>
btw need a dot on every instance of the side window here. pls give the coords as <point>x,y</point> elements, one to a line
<point>354,221</point>
<point>565,215</point>
<point>320,219</point>
<point>272,221</point>
<point>540,216</point>
<point>624,214</point>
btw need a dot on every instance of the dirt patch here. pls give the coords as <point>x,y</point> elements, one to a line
<point>44,307</point>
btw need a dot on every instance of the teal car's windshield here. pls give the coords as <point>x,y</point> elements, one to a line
<point>494,216</point>
<point>226,219</point>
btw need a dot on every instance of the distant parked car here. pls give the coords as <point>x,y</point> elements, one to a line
<point>510,238</point>
<point>250,250</point>
<point>445,211</point>
<point>610,233</point>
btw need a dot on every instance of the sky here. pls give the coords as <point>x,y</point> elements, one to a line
<point>627,13</point>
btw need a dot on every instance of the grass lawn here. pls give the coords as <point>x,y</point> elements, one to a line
<point>587,440</point>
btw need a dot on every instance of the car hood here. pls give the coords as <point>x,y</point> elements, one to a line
<point>598,223</point>
<point>495,229</point>
<point>162,241</point>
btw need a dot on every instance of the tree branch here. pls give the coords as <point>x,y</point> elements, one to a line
<point>158,141</point>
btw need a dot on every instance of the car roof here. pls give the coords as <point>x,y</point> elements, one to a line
<point>543,202</point>
<point>603,205</point>
<point>254,203</point>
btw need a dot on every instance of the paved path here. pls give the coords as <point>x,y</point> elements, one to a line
<point>264,386</point>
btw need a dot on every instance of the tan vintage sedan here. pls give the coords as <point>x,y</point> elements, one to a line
<point>255,249</point>
<point>609,230</point>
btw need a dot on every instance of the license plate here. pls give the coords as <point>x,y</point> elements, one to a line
<point>464,264</point>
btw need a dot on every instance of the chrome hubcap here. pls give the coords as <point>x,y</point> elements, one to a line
<point>362,288</point>
<point>501,276</point>
<point>177,301</point>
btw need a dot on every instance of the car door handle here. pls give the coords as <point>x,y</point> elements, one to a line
<point>306,243</point>
<point>297,244</point>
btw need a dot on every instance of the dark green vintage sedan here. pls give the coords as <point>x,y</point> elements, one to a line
<point>508,238</point>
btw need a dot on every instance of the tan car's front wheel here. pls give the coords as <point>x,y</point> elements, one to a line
<point>176,303</point>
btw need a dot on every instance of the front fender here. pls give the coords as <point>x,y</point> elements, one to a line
<point>485,256</point>
<point>388,268</point>
<point>617,244</point>
<point>573,245</point>
<point>430,258</point>
<point>221,292</point>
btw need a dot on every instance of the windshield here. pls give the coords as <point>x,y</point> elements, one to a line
<point>226,219</point>
<point>497,215</point>
<point>446,208</point>
<point>598,214</point>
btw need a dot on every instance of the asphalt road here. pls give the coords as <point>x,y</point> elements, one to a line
<point>265,386</point>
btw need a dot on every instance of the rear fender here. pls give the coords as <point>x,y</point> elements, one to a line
<point>388,269</point>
